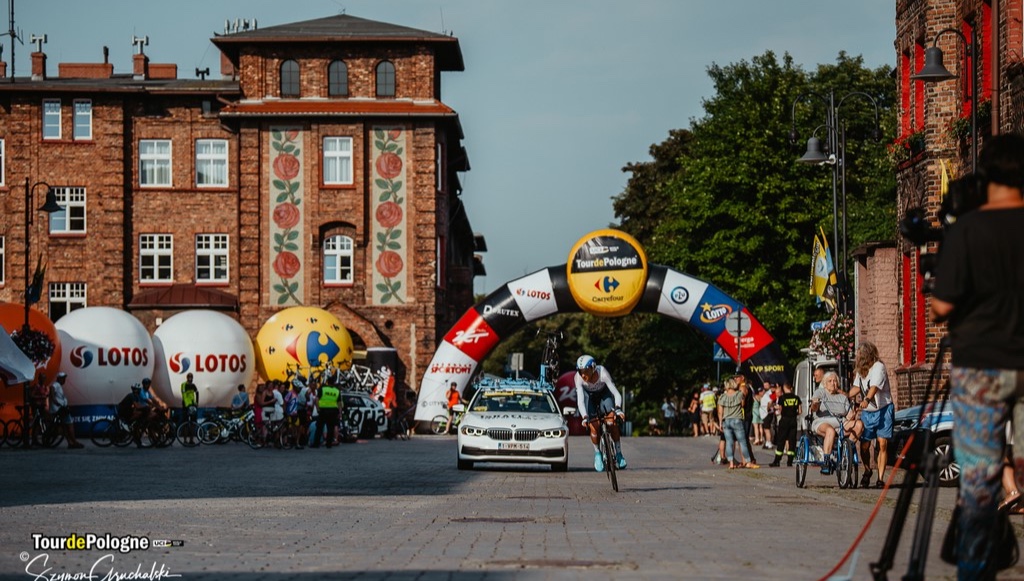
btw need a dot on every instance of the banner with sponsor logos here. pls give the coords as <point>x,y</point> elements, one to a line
<point>551,290</point>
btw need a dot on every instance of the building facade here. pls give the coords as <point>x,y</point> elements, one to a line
<point>320,169</point>
<point>981,43</point>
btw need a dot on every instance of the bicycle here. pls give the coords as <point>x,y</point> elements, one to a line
<point>216,429</point>
<point>439,424</point>
<point>44,430</point>
<point>606,445</point>
<point>843,458</point>
<point>549,357</point>
<point>187,432</point>
<point>145,431</point>
<point>398,425</point>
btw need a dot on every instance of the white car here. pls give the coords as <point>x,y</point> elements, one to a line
<point>364,416</point>
<point>514,421</point>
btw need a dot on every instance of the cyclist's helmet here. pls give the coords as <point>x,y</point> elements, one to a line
<point>136,387</point>
<point>61,375</point>
<point>586,362</point>
<point>146,381</point>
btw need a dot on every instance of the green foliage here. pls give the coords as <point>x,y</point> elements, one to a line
<point>725,201</point>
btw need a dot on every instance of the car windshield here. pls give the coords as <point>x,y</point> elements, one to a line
<point>513,401</point>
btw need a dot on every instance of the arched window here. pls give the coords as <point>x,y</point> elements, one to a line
<point>338,260</point>
<point>385,79</point>
<point>337,79</point>
<point>289,79</point>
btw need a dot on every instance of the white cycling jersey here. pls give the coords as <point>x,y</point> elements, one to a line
<point>584,389</point>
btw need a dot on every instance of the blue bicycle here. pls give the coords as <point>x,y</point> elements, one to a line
<point>843,460</point>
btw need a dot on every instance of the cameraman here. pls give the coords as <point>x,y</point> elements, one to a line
<point>979,289</point>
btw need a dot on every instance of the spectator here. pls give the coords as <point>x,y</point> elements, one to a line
<point>730,409</point>
<point>694,410</point>
<point>872,384</point>
<point>189,399</point>
<point>668,412</point>
<point>756,419</point>
<point>708,404</point>
<point>240,403</point>
<point>789,416</point>
<point>329,414</point>
<point>60,411</point>
<point>767,414</point>
<point>979,290</point>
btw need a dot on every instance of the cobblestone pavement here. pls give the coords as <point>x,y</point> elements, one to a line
<point>400,510</point>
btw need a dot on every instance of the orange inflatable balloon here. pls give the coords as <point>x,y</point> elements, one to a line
<point>12,318</point>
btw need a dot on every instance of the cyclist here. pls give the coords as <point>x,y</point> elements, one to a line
<point>597,396</point>
<point>189,399</point>
<point>454,399</point>
<point>59,410</point>
<point>831,406</point>
<point>131,407</point>
<point>150,399</point>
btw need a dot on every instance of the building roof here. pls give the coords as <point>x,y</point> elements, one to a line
<point>184,296</point>
<point>343,28</point>
<point>339,107</point>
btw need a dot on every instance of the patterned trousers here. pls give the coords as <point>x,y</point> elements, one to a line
<point>983,400</point>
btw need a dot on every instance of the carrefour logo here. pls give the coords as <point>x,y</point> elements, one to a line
<point>207,363</point>
<point>82,357</point>
<point>606,284</point>
<point>713,313</point>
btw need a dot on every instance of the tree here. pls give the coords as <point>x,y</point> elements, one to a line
<point>729,204</point>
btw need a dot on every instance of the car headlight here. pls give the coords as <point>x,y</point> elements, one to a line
<point>555,433</point>
<point>472,431</point>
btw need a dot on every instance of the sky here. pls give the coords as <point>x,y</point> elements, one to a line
<point>556,98</point>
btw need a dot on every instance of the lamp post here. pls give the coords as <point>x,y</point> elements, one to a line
<point>834,155</point>
<point>49,206</point>
<point>934,71</point>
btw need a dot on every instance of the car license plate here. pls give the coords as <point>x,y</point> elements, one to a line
<point>513,446</point>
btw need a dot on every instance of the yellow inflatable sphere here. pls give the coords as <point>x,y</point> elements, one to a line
<point>300,338</point>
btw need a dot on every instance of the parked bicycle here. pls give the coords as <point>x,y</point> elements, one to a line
<point>156,431</point>
<point>439,425</point>
<point>549,358</point>
<point>218,428</point>
<point>606,445</point>
<point>44,430</point>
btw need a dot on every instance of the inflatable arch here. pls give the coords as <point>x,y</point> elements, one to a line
<point>622,278</point>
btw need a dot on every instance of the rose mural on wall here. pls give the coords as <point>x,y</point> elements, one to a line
<point>389,187</point>
<point>286,216</point>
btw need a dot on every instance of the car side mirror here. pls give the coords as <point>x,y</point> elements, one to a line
<point>568,411</point>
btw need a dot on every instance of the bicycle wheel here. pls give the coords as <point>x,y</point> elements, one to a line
<point>609,460</point>
<point>844,464</point>
<point>53,436</point>
<point>257,438</point>
<point>188,434</point>
<point>439,425</point>
<point>15,430</point>
<point>122,434</point>
<point>803,454</point>
<point>402,429</point>
<point>3,433</point>
<point>286,437</point>
<point>162,432</point>
<point>211,432</point>
<point>103,432</point>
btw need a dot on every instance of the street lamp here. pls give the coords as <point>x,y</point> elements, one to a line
<point>49,207</point>
<point>834,154</point>
<point>934,71</point>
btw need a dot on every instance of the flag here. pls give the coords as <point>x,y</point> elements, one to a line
<point>823,273</point>
<point>34,292</point>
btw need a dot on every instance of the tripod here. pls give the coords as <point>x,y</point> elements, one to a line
<point>927,468</point>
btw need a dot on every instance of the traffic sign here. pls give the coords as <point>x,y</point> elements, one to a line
<point>737,324</point>
<point>818,325</point>
<point>720,355</point>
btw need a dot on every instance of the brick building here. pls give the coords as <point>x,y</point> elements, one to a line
<point>936,136</point>
<point>320,169</point>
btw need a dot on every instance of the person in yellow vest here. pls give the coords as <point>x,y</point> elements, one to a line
<point>328,416</point>
<point>189,399</point>
<point>708,403</point>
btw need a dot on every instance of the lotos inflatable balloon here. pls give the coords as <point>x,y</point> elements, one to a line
<point>301,338</point>
<point>105,351</point>
<point>211,346</point>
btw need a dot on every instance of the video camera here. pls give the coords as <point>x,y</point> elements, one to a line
<point>962,196</point>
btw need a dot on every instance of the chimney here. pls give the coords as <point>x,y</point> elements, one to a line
<point>227,70</point>
<point>140,67</point>
<point>38,66</point>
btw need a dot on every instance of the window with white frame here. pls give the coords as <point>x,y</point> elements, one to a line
<point>211,258</point>
<point>211,163</point>
<point>71,218</point>
<point>338,254</point>
<point>154,162</point>
<point>337,160</point>
<point>83,119</point>
<point>156,258</point>
<point>3,162</point>
<point>51,118</point>
<point>66,297</point>
<point>3,259</point>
